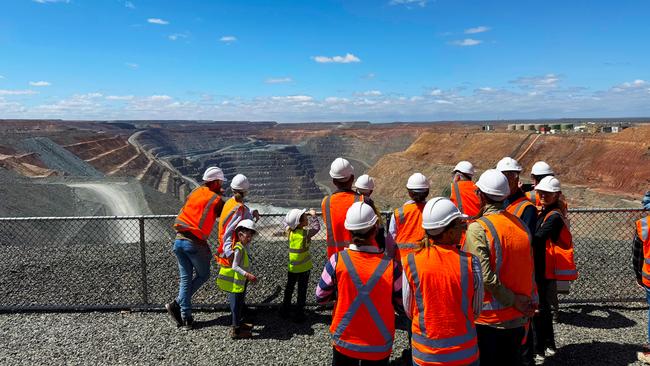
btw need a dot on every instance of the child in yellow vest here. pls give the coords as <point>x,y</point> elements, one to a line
<point>300,226</point>
<point>235,278</point>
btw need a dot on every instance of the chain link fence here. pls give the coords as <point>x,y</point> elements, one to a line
<point>59,263</point>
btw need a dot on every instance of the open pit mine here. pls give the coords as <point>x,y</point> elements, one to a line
<point>78,168</point>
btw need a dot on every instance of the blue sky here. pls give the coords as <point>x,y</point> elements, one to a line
<point>390,60</point>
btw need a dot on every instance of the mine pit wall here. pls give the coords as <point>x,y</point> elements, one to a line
<point>280,176</point>
<point>618,165</point>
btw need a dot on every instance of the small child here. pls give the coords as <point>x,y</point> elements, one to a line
<point>235,278</point>
<point>300,264</point>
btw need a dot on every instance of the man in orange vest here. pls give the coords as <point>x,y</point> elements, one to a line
<point>503,246</point>
<point>447,286</point>
<point>517,203</point>
<point>193,226</point>
<point>406,223</point>
<point>366,286</point>
<point>554,261</point>
<point>335,206</point>
<point>641,265</point>
<point>463,190</point>
<point>539,171</point>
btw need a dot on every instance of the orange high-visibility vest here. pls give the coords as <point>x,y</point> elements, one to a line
<point>229,209</point>
<point>443,317</point>
<point>511,258</point>
<point>408,227</point>
<point>363,318</point>
<point>463,195</point>
<point>518,207</point>
<point>560,264</point>
<point>197,215</point>
<point>533,197</point>
<point>643,231</point>
<point>335,207</point>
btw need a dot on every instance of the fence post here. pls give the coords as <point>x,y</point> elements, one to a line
<point>143,264</point>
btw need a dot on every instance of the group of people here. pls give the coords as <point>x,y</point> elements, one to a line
<point>473,276</point>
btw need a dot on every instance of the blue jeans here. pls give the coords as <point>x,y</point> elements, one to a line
<point>237,303</point>
<point>647,298</point>
<point>190,257</point>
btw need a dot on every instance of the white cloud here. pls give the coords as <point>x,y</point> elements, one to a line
<point>331,100</point>
<point>228,39</point>
<point>369,76</point>
<point>157,21</point>
<point>442,101</point>
<point>278,80</point>
<point>467,42</point>
<point>2,77</point>
<point>51,1</point>
<point>421,3</point>
<point>479,29</point>
<point>17,92</point>
<point>159,98</point>
<point>176,36</point>
<point>131,65</point>
<point>119,97</point>
<point>129,5</point>
<point>371,93</point>
<point>39,83</point>
<point>436,92</point>
<point>294,98</point>
<point>348,58</point>
<point>548,81</point>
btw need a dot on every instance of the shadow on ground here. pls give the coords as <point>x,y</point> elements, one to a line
<point>595,353</point>
<point>594,316</point>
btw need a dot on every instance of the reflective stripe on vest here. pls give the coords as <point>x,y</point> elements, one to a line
<point>230,280</point>
<point>560,262</point>
<point>363,297</point>
<point>327,212</point>
<point>408,227</point>
<point>518,207</point>
<point>644,229</point>
<point>229,210</point>
<point>299,257</point>
<point>459,199</point>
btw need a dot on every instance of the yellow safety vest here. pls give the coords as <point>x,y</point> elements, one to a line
<point>299,257</point>
<point>230,280</point>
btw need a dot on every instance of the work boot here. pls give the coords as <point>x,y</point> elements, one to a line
<point>174,311</point>
<point>246,326</point>
<point>188,323</point>
<point>240,333</point>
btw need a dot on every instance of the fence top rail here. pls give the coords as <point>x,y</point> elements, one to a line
<point>147,217</point>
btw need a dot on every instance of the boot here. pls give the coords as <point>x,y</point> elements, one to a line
<point>174,311</point>
<point>240,333</point>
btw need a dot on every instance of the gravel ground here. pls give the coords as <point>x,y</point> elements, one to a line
<point>586,335</point>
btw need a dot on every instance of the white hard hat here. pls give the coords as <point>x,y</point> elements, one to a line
<point>541,168</point>
<point>508,164</point>
<point>341,169</point>
<point>549,184</point>
<point>494,184</point>
<point>439,212</point>
<point>240,183</point>
<point>360,216</point>
<point>465,167</point>
<point>293,217</point>
<point>213,173</point>
<point>248,224</point>
<point>365,182</point>
<point>417,181</point>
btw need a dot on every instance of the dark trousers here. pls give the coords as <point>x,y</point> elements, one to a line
<point>339,359</point>
<point>303,280</point>
<point>237,302</point>
<point>499,347</point>
<point>543,321</point>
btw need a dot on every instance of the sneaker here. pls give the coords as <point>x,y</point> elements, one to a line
<point>188,323</point>
<point>539,359</point>
<point>240,333</point>
<point>548,352</point>
<point>643,357</point>
<point>174,311</point>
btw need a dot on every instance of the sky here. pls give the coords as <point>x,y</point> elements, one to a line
<point>293,61</point>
